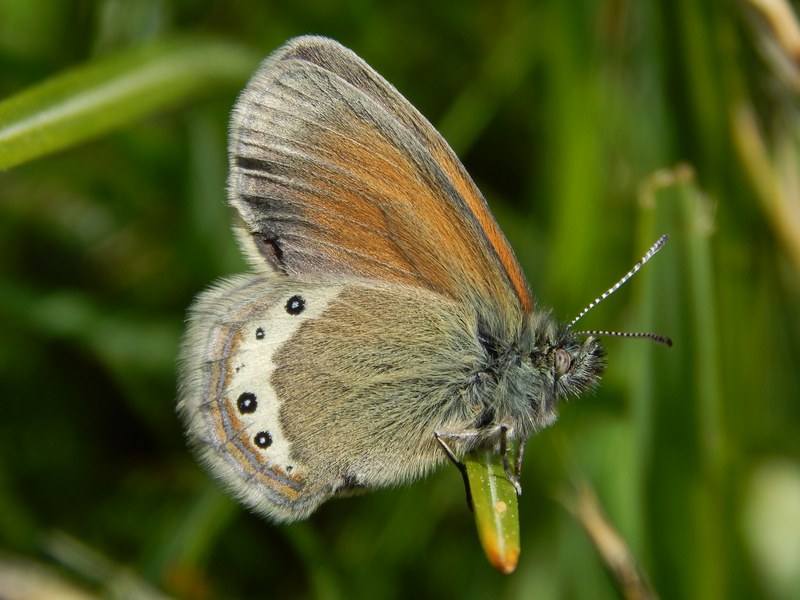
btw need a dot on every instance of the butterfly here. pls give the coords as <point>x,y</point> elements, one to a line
<point>386,326</point>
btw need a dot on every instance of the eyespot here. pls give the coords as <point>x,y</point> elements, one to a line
<point>247,403</point>
<point>563,361</point>
<point>263,439</point>
<point>295,305</point>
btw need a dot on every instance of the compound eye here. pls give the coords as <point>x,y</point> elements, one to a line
<point>563,361</point>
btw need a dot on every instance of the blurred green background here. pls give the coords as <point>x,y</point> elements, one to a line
<point>591,126</point>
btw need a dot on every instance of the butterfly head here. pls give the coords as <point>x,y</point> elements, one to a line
<point>553,363</point>
<point>575,363</point>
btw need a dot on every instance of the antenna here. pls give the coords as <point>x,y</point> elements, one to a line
<point>652,336</point>
<point>661,339</point>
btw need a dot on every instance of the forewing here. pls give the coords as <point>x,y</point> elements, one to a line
<point>333,172</point>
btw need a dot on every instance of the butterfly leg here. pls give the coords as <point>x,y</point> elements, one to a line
<point>518,461</point>
<point>496,432</point>
<point>513,476</point>
<point>462,468</point>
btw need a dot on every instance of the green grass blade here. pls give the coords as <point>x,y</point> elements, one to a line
<point>98,97</point>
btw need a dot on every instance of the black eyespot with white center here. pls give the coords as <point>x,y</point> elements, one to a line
<point>247,403</point>
<point>263,439</point>
<point>260,333</point>
<point>295,305</point>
